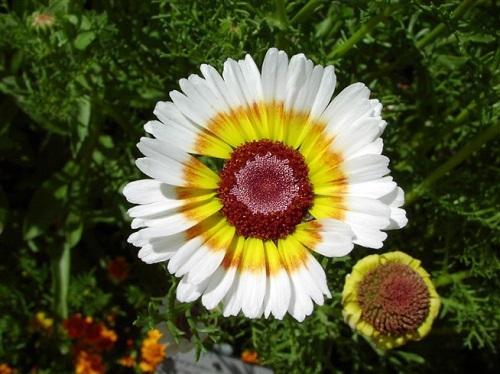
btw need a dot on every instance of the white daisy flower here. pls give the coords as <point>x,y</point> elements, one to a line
<point>302,173</point>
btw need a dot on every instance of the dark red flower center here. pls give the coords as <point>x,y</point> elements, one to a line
<point>394,299</point>
<point>265,189</point>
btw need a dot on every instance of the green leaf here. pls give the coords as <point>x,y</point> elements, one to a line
<point>84,39</point>
<point>46,208</point>
<point>73,229</point>
<point>81,130</point>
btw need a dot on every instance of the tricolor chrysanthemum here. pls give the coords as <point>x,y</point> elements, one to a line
<point>300,173</point>
<point>390,299</point>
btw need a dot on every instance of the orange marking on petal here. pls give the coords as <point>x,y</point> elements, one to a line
<point>198,175</point>
<point>234,254</point>
<point>293,253</point>
<point>308,233</point>
<point>329,207</point>
<point>201,211</point>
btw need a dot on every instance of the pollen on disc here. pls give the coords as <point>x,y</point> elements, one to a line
<point>266,184</point>
<point>265,189</point>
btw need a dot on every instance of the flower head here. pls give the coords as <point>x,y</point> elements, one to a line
<point>390,299</point>
<point>42,20</point>
<point>91,335</point>
<point>77,325</point>
<point>118,269</point>
<point>127,361</point>
<point>6,369</point>
<point>43,323</point>
<point>88,363</point>
<point>152,352</point>
<point>250,357</point>
<point>300,173</point>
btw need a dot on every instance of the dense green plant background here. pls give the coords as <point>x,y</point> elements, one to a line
<point>74,97</point>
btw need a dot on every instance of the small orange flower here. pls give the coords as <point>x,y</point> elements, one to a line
<point>152,352</point>
<point>127,361</point>
<point>249,356</point>
<point>6,369</point>
<point>88,363</point>
<point>118,269</point>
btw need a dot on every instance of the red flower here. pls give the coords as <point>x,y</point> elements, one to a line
<point>90,335</point>
<point>118,269</point>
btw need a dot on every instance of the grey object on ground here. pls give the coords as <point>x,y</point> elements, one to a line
<point>209,363</point>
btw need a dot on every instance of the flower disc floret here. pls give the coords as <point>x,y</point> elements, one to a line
<point>394,299</point>
<point>265,189</point>
<point>390,299</point>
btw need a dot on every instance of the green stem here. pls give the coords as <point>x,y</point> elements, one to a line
<point>281,12</point>
<point>343,48</point>
<point>60,279</point>
<point>306,11</point>
<point>447,279</point>
<point>454,161</point>
<point>439,29</point>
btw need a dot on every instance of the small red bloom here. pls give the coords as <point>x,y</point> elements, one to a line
<point>118,269</point>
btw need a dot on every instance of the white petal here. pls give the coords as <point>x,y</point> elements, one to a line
<point>184,254</point>
<point>317,274</point>
<point>374,188</point>
<point>192,91</point>
<point>154,209</point>
<point>207,92</point>
<point>368,237</point>
<point>146,191</point>
<point>366,211</point>
<point>308,92</point>
<point>158,150</point>
<point>365,168</point>
<point>168,113</point>
<point>296,77</point>
<point>202,264</point>
<point>172,135</point>
<point>373,148</point>
<point>218,286</point>
<point>188,107</point>
<point>274,68</point>
<point>252,79</point>
<point>168,170</point>
<point>232,78</point>
<point>303,277</point>
<point>361,133</point>
<point>301,305</point>
<point>335,238</point>
<point>218,86</point>
<point>176,220</point>
<point>278,299</point>
<point>187,292</point>
<point>234,297</point>
<point>325,92</point>
<point>342,106</point>
<point>161,249</point>
<point>395,200</point>
<point>254,285</point>
<point>167,226</point>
